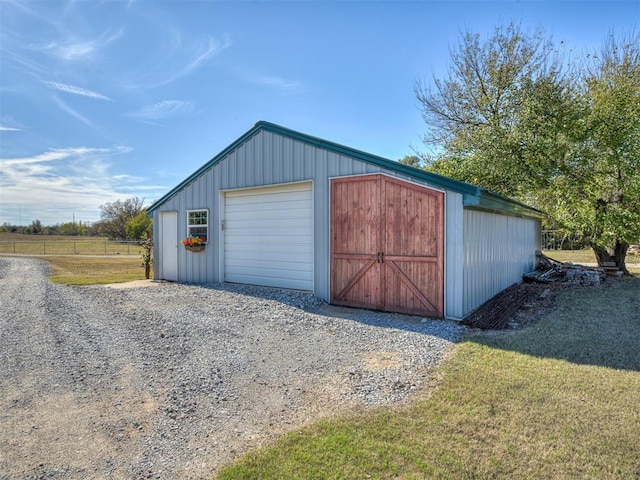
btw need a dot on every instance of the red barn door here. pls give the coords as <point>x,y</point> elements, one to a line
<point>387,245</point>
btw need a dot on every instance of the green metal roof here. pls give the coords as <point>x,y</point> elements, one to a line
<point>473,196</point>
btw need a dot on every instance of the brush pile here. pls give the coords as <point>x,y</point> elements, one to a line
<point>553,271</point>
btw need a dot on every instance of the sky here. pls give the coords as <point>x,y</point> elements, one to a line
<point>106,100</point>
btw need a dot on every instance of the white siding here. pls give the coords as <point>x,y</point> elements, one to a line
<point>498,249</point>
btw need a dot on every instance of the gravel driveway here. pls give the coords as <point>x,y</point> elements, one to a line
<point>173,381</point>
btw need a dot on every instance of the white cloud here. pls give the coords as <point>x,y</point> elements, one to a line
<point>209,49</point>
<point>74,113</point>
<point>54,184</point>
<point>4,128</point>
<point>163,109</point>
<point>78,49</point>
<point>199,56</point>
<point>63,87</point>
<point>279,82</point>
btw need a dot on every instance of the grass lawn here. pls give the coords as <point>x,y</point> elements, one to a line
<point>581,256</point>
<point>559,399</point>
<point>79,270</point>
<point>16,243</point>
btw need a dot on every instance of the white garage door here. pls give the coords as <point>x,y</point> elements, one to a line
<point>268,236</point>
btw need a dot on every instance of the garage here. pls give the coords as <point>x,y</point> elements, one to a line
<point>286,209</point>
<point>387,248</point>
<point>268,236</point>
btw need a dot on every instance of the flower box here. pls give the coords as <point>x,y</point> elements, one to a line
<point>194,244</point>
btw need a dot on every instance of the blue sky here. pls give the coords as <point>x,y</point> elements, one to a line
<point>101,101</point>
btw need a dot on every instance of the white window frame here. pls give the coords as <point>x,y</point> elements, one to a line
<point>199,225</point>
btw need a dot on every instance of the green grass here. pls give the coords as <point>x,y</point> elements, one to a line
<point>560,399</point>
<point>80,270</point>
<point>581,256</point>
<point>15,243</point>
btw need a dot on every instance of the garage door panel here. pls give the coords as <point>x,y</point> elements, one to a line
<point>284,221</point>
<point>292,271</point>
<point>244,249</point>
<point>268,237</point>
<point>285,209</point>
<point>266,200</point>
<point>263,242</point>
<point>288,262</point>
<point>267,281</point>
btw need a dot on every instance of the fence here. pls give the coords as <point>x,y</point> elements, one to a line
<point>71,247</point>
<point>557,240</point>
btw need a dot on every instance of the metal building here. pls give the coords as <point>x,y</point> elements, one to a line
<point>285,209</point>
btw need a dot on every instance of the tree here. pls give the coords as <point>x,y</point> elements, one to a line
<point>138,226</point>
<point>508,117</point>
<point>114,216</point>
<point>35,228</point>
<point>411,160</point>
<point>609,157</point>
<point>473,115</point>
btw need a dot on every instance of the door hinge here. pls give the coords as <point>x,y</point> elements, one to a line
<point>223,224</point>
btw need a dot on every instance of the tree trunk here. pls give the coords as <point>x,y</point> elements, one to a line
<point>618,255</point>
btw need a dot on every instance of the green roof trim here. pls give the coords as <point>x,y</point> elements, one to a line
<point>473,196</point>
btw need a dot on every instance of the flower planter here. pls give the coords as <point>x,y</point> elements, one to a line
<point>194,248</point>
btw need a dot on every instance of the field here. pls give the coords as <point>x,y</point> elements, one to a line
<point>559,399</point>
<point>95,270</point>
<point>15,243</point>
<point>79,260</point>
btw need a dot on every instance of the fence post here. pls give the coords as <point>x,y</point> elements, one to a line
<point>44,248</point>
<point>75,250</point>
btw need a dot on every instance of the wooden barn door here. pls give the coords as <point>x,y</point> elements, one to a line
<point>387,249</point>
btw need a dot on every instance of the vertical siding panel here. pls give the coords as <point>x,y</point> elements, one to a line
<point>454,256</point>
<point>498,249</point>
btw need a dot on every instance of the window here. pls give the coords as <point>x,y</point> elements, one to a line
<point>198,223</point>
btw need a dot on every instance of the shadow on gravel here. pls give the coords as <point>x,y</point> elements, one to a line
<point>447,330</point>
<point>598,325</point>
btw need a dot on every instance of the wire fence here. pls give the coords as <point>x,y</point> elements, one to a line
<point>558,240</point>
<point>71,247</point>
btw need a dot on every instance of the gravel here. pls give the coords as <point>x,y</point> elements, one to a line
<point>175,380</point>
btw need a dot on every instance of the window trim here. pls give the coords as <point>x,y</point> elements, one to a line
<point>206,225</point>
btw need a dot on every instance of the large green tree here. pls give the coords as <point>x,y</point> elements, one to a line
<point>115,215</point>
<point>511,116</point>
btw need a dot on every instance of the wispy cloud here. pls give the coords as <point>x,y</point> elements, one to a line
<point>63,87</point>
<point>171,66</point>
<point>78,49</point>
<point>74,113</point>
<point>163,109</point>
<point>8,124</point>
<point>207,50</point>
<point>55,183</point>
<point>279,82</point>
